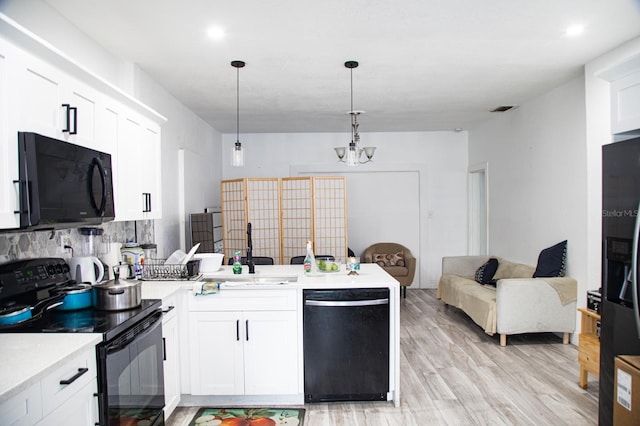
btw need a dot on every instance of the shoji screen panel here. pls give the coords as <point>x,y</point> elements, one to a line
<point>264,214</point>
<point>296,207</point>
<point>330,215</point>
<point>234,217</point>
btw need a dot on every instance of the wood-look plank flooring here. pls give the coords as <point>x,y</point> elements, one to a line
<point>452,373</point>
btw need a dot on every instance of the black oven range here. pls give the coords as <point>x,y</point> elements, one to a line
<point>130,356</point>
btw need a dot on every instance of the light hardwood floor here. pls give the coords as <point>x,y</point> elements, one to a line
<point>452,373</point>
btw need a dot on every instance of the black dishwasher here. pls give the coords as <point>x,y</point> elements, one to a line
<point>346,344</point>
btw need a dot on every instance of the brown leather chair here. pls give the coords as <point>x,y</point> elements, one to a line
<point>394,258</point>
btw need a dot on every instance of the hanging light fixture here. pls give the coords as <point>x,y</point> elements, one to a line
<point>237,155</point>
<point>353,152</point>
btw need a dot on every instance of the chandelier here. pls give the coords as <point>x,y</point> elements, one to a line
<point>237,155</point>
<point>353,152</point>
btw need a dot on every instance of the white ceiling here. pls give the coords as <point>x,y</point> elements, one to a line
<point>424,64</point>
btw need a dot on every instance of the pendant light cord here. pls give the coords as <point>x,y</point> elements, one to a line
<point>238,104</point>
<point>237,65</point>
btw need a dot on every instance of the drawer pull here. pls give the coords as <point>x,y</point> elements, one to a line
<point>75,377</point>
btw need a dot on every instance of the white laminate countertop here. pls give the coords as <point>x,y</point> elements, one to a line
<point>370,275</point>
<point>27,358</point>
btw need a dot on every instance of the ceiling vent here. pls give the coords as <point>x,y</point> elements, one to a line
<point>503,108</point>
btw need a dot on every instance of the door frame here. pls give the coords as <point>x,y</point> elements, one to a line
<point>478,209</point>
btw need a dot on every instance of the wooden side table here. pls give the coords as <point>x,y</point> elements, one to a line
<point>588,346</point>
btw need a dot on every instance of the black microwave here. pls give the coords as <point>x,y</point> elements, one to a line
<point>62,184</point>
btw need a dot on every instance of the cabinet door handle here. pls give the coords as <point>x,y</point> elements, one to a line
<point>237,330</point>
<point>71,109</point>
<point>75,377</point>
<point>246,327</point>
<point>164,348</point>
<point>22,186</point>
<point>146,200</point>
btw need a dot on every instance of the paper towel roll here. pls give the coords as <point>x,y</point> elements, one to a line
<point>112,258</point>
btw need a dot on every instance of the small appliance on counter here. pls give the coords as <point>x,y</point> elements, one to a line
<point>88,269</point>
<point>33,296</point>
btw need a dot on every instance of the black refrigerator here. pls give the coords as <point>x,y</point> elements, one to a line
<point>620,324</point>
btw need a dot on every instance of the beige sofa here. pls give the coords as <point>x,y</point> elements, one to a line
<point>517,304</point>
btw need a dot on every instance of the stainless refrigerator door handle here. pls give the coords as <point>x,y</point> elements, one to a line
<point>347,302</point>
<point>634,266</point>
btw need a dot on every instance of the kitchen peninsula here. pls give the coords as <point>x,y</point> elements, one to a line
<point>243,344</point>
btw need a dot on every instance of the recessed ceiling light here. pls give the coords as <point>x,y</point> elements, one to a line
<point>574,30</point>
<point>216,33</point>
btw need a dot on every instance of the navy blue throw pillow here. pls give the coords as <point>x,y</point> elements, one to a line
<point>485,273</point>
<point>552,261</point>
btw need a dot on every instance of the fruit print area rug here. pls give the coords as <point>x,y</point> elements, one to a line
<point>248,417</point>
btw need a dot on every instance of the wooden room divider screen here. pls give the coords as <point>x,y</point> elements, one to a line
<point>284,214</point>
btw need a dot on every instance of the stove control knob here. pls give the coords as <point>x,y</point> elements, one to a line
<point>58,268</point>
<point>51,270</point>
<point>65,268</point>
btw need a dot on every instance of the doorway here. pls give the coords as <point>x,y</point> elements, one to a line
<point>478,238</point>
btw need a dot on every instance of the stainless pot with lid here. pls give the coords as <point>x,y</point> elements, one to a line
<point>117,295</point>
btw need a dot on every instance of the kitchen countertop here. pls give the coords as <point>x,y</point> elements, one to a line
<point>370,275</point>
<point>26,358</point>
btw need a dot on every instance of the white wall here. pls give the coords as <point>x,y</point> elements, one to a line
<point>183,128</point>
<point>538,179</point>
<point>440,159</point>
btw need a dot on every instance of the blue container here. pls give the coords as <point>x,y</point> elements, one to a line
<point>15,316</point>
<point>78,296</point>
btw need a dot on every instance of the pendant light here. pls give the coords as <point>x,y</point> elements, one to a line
<point>237,155</point>
<point>353,152</point>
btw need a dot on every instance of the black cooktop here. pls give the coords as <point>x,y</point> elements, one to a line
<point>90,320</point>
<point>30,282</point>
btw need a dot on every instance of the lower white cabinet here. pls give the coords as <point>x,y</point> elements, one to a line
<point>244,352</point>
<point>171,357</point>
<point>65,396</point>
<point>79,409</point>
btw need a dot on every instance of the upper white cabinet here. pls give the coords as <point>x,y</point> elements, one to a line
<point>138,169</point>
<point>625,104</point>
<point>44,91</point>
<point>9,201</point>
<point>624,79</point>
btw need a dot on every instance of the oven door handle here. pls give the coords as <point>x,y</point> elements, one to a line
<point>143,329</point>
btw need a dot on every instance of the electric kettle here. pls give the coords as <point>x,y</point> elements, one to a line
<point>86,269</point>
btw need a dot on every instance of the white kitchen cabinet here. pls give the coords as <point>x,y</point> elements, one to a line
<point>55,104</point>
<point>252,350</point>
<point>80,409</point>
<point>625,104</point>
<point>67,395</point>
<point>25,408</point>
<point>9,196</point>
<point>171,355</point>
<point>138,169</point>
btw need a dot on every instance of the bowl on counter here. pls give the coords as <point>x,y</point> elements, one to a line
<point>327,265</point>
<point>209,262</point>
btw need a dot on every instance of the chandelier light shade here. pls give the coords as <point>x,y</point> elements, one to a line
<point>352,154</point>
<point>237,155</point>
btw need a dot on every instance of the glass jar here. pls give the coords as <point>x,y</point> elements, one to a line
<point>150,251</point>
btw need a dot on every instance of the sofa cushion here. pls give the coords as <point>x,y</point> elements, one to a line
<point>485,273</point>
<point>389,259</point>
<point>552,261</point>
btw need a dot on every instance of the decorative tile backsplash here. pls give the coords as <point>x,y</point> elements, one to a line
<point>23,245</point>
